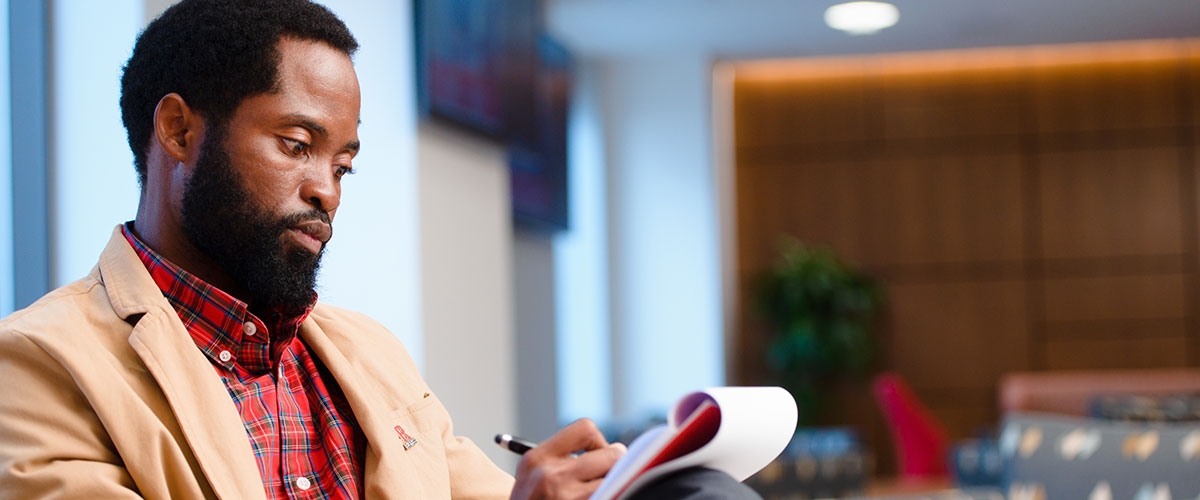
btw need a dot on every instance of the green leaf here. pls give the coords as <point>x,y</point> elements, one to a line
<point>820,312</point>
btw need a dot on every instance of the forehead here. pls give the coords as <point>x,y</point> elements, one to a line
<point>317,80</point>
<point>315,66</point>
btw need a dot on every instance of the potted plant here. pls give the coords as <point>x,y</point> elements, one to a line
<point>820,312</point>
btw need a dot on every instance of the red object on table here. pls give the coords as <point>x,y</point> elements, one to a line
<point>918,437</point>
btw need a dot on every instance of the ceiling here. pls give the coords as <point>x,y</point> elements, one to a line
<point>747,29</point>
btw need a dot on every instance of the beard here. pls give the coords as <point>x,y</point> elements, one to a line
<point>246,239</point>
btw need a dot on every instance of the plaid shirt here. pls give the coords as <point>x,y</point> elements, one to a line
<point>304,435</point>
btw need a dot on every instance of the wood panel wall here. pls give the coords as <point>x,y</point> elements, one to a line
<point>1027,208</point>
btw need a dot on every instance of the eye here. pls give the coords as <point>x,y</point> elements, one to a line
<point>343,171</point>
<point>295,147</point>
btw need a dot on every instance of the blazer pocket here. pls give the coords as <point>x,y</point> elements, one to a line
<point>413,427</point>
<point>426,400</point>
<point>415,453</point>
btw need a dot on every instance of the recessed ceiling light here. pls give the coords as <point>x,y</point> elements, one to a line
<point>861,18</point>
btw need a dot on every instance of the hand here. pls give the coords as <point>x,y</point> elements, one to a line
<point>552,470</point>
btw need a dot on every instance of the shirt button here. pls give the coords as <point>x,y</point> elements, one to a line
<point>249,328</point>
<point>225,356</point>
<point>303,483</point>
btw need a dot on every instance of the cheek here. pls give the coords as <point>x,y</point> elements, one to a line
<point>268,193</point>
<point>272,185</point>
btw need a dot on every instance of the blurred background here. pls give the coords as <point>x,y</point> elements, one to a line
<point>586,208</point>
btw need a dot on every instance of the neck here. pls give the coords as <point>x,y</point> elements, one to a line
<point>162,230</point>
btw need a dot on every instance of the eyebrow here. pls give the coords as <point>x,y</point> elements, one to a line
<point>309,123</point>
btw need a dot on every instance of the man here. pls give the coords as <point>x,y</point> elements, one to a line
<point>194,360</point>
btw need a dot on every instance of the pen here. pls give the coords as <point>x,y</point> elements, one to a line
<point>514,444</point>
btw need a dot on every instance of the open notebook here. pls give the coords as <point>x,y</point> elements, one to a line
<point>738,430</point>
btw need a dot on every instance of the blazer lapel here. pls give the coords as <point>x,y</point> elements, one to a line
<point>206,414</point>
<point>199,400</point>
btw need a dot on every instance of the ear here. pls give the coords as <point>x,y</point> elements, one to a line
<point>177,128</point>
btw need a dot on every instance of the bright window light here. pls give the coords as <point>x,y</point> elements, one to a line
<point>862,18</point>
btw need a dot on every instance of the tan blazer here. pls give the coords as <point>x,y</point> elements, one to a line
<point>105,396</point>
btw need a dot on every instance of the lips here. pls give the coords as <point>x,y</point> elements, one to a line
<point>315,231</point>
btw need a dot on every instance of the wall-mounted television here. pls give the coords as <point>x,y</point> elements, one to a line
<point>486,66</point>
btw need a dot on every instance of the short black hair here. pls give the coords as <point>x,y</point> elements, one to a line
<point>215,54</point>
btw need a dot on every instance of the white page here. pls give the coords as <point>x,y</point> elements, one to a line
<point>756,425</point>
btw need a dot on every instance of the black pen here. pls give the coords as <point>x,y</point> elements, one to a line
<point>514,444</point>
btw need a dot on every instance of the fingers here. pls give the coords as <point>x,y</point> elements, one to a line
<point>596,463</point>
<point>580,435</point>
<point>553,470</point>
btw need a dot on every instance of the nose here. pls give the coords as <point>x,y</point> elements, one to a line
<point>321,189</point>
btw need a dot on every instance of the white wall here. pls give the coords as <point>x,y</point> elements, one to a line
<point>663,232</point>
<point>726,199</point>
<point>584,360</point>
<point>154,8</point>
<point>93,186</point>
<point>537,383</point>
<point>467,259</point>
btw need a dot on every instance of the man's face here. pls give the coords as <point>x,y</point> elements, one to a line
<point>261,199</point>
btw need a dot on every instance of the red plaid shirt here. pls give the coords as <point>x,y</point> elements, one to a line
<point>304,435</point>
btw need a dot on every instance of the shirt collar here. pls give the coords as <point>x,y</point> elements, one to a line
<point>222,326</point>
